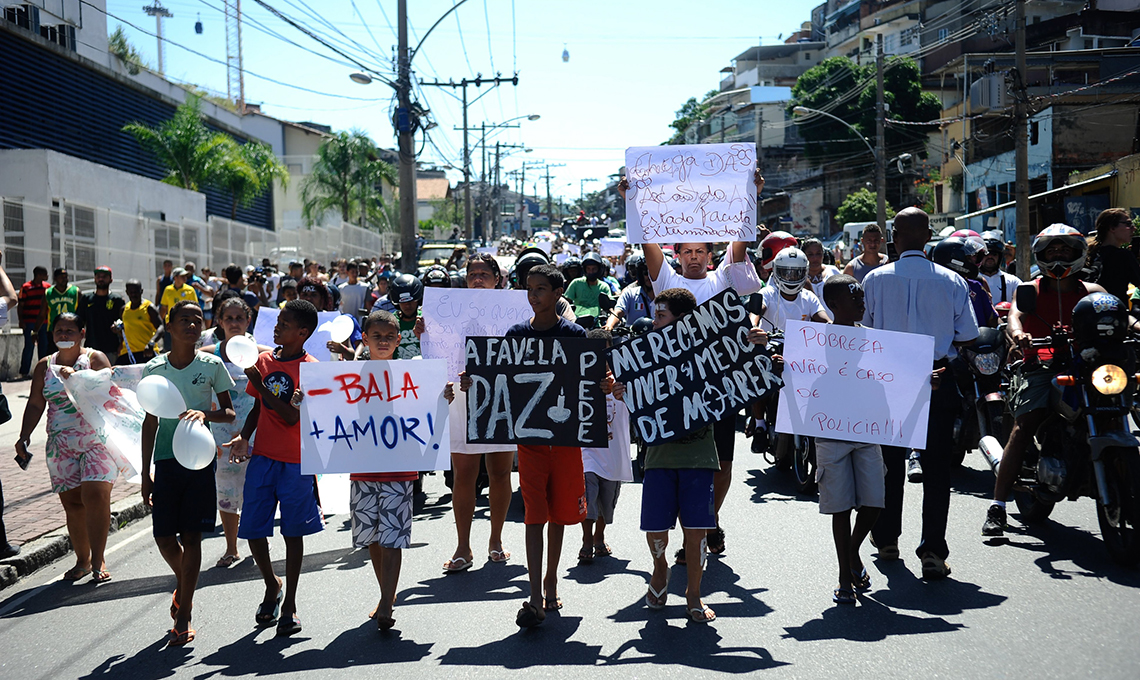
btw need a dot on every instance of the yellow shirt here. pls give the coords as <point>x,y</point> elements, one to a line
<point>137,327</point>
<point>172,296</point>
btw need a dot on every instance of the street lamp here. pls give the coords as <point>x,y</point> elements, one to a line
<point>880,168</point>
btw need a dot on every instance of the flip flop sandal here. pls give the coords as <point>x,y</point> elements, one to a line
<point>101,576</point>
<point>714,541</point>
<point>843,596</point>
<point>268,612</point>
<point>602,550</point>
<point>75,573</point>
<point>586,556</point>
<point>661,596</point>
<point>227,561</point>
<point>706,614</point>
<point>289,626</point>
<point>860,581</point>
<point>527,616</point>
<point>180,639</point>
<point>499,555</point>
<point>549,605</point>
<point>456,565</point>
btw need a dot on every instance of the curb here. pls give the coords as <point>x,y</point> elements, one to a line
<point>40,552</point>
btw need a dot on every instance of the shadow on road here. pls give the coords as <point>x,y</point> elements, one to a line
<point>949,597</point>
<point>769,484</point>
<point>693,644</point>
<point>1059,543</point>
<point>546,645</point>
<point>489,582</point>
<point>871,621</point>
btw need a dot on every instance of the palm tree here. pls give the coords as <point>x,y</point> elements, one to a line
<point>249,171</point>
<point>189,151</point>
<point>346,177</point>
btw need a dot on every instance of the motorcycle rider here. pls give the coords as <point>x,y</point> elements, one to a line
<point>636,300</point>
<point>583,292</point>
<point>787,299</point>
<point>960,255</point>
<point>1039,305</point>
<point>1001,284</point>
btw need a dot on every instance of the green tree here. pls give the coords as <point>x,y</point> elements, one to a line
<point>347,177</point>
<point>190,152</point>
<point>847,90</point>
<point>249,171</point>
<point>690,112</point>
<point>860,206</point>
<point>118,45</point>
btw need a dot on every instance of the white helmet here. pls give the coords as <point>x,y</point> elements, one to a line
<point>789,270</point>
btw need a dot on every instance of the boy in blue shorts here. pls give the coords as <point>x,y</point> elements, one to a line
<point>274,473</point>
<point>184,501</point>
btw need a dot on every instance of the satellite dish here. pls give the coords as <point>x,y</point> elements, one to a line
<point>198,25</point>
<point>565,53</point>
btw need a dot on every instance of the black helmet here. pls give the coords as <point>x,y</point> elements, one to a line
<point>437,277</point>
<point>1099,317</point>
<point>634,267</point>
<point>592,257</point>
<point>459,279</point>
<point>642,325</point>
<point>529,258</point>
<point>406,288</point>
<point>572,262</point>
<point>958,255</point>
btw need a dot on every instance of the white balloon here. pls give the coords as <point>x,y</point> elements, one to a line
<point>241,351</point>
<point>341,328</point>
<point>160,397</point>
<point>194,445</point>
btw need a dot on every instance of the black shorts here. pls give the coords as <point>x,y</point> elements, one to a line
<point>724,434</point>
<point>185,501</point>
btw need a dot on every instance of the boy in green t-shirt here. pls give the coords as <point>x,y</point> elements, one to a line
<point>184,501</point>
<point>61,298</point>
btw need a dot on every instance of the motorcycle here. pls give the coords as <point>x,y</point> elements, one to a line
<point>787,451</point>
<point>1084,447</point>
<point>985,419</point>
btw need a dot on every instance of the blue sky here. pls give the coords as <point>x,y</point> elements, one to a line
<point>631,66</point>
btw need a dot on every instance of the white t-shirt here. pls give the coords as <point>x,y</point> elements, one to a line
<point>703,289</point>
<point>778,310</point>
<point>996,283</point>
<point>352,297</point>
<point>613,462</point>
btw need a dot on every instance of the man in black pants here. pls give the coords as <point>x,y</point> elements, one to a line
<point>914,295</point>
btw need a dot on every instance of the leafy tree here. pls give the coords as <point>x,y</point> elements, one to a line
<point>690,112</point>
<point>847,90</point>
<point>249,171</point>
<point>121,47</point>
<point>190,152</point>
<point>860,206</point>
<point>346,178</point>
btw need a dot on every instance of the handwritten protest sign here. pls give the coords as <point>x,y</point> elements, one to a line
<point>612,247</point>
<point>451,315</point>
<point>688,374</point>
<point>536,391</point>
<point>374,416</point>
<point>317,344</point>
<point>855,384</point>
<point>698,192</point>
<point>489,250</point>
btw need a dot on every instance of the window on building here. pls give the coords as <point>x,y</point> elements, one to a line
<point>167,244</point>
<point>79,239</point>
<point>889,44</point>
<point>14,241</point>
<point>807,56</point>
<point>908,36</point>
<point>943,34</point>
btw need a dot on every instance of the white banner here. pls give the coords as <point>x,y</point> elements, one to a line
<point>572,248</point>
<point>612,247</point>
<point>317,344</point>
<point>451,315</point>
<point>697,193</point>
<point>489,250</point>
<point>374,416</point>
<point>856,384</point>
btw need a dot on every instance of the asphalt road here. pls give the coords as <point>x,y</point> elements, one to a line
<point>1041,603</point>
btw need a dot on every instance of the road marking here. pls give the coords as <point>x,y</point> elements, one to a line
<point>39,589</point>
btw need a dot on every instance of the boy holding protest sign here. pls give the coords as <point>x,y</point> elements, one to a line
<point>850,474</point>
<point>274,472</point>
<point>551,477</point>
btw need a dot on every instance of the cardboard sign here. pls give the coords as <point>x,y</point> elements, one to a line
<point>855,384</point>
<point>688,374</point>
<point>374,416</point>
<point>612,247</point>
<point>699,193</point>
<point>544,391</point>
<point>451,315</point>
<point>317,344</point>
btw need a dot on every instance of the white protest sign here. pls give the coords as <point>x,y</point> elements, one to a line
<point>612,247</point>
<point>489,250</point>
<point>697,193</point>
<point>317,344</point>
<point>572,248</point>
<point>451,315</point>
<point>559,258</point>
<point>374,416</point>
<point>855,384</point>
<point>544,246</point>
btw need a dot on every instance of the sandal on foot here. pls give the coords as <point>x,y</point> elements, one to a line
<point>602,550</point>
<point>268,612</point>
<point>384,623</point>
<point>456,564</point>
<point>656,599</point>
<point>289,626</point>
<point>549,605</point>
<point>100,576</point>
<point>843,596</point>
<point>860,580</point>
<point>714,541</point>
<point>586,555</point>
<point>179,639</point>
<point>76,573</point>
<point>499,555</point>
<point>706,614</point>
<point>528,616</point>
<point>227,561</point>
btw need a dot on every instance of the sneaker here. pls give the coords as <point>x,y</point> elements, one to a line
<point>995,521</point>
<point>934,567</point>
<point>9,550</point>
<point>889,552</point>
<point>914,468</point>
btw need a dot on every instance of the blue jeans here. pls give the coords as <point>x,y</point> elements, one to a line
<point>32,338</point>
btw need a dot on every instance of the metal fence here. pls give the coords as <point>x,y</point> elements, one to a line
<point>80,237</point>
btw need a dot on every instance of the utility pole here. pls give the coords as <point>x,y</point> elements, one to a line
<point>497,211</point>
<point>1022,232</point>
<point>880,141</point>
<point>477,81</point>
<point>159,13</point>
<point>582,189</point>
<point>235,73</point>
<point>407,145</point>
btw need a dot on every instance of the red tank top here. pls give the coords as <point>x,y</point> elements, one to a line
<point>1048,313</point>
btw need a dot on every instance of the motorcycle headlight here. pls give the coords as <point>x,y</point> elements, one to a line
<point>1109,379</point>
<point>987,364</point>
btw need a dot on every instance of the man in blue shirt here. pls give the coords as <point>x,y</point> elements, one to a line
<point>914,295</point>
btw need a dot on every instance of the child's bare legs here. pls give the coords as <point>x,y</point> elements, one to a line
<point>841,532</point>
<point>185,560</point>
<point>587,537</point>
<point>658,545</point>
<point>864,519</point>
<point>386,563</point>
<point>259,548</point>
<point>499,492</point>
<point>465,467</point>
<point>554,535</point>
<point>230,522</point>
<point>534,566</point>
<point>294,554</point>
<point>600,531</point>
<point>694,566</point>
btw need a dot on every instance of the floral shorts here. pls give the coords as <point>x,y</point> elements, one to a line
<point>231,483</point>
<point>73,459</point>
<point>381,513</point>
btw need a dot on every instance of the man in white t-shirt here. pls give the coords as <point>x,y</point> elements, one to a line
<point>353,293</point>
<point>1001,284</point>
<point>785,298</point>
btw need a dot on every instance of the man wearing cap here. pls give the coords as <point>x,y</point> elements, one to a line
<point>100,310</point>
